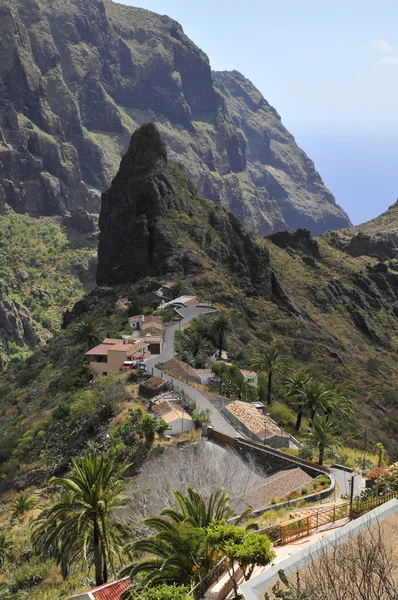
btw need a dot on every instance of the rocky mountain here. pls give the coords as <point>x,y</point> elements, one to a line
<point>377,238</point>
<point>79,76</point>
<point>331,312</point>
<point>153,223</point>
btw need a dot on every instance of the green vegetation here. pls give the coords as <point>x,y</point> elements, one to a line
<point>46,268</point>
<point>78,525</point>
<point>269,362</point>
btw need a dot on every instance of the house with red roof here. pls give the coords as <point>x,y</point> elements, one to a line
<point>111,354</point>
<point>107,591</point>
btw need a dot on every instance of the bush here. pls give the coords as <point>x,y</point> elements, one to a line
<point>282,414</point>
<point>304,491</point>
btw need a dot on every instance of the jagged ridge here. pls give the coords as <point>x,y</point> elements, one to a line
<point>79,76</point>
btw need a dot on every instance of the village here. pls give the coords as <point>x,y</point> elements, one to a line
<point>177,393</point>
<point>143,347</point>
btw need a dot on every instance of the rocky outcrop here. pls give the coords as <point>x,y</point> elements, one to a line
<point>154,223</point>
<point>79,76</point>
<point>377,238</point>
<point>16,324</point>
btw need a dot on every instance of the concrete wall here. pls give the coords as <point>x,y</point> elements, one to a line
<point>180,426</point>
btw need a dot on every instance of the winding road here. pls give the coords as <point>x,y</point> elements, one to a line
<point>188,314</point>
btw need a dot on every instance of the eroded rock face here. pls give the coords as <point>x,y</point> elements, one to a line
<point>79,76</point>
<point>16,324</point>
<point>153,222</point>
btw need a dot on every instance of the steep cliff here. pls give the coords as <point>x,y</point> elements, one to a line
<point>153,223</point>
<point>79,76</point>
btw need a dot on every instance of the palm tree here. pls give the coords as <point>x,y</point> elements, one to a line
<point>177,290</point>
<point>338,403</point>
<point>323,434</point>
<point>23,503</point>
<point>317,398</point>
<point>174,554</point>
<point>87,331</point>
<point>295,387</point>
<point>78,521</point>
<point>178,552</point>
<point>221,326</point>
<point>239,388</point>
<point>269,362</point>
<point>193,508</point>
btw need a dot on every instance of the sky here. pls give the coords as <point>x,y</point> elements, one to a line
<point>330,68</point>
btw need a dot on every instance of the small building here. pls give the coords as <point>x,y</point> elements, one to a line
<point>178,419</point>
<point>136,322</point>
<point>155,343</point>
<point>250,376</point>
<point>181,302</point>
<point>153,387</point>
<point>164,290</point>
<point>145,324</point>
<point>181,370</point>
<point>256,426</point>
<point>107,591</point>
<point>205,376</point>
<point>112,354</point>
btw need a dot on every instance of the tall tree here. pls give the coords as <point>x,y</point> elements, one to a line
<point>195,509</point>
<point>78,520</point>
<point>237,387</point>
<point>337,404</point>
<point>269,362</point>
<point>295,387</point>
<point>317,398</point>
<point>221,326</point>
<point>87,331</point>
<point>323,434</point>
<point>179,551</point>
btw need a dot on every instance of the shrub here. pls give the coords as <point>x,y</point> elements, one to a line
<point>304,491</point>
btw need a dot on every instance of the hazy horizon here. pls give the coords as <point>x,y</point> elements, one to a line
<point>330,71</point>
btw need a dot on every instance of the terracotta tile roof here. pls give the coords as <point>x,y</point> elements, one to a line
<point>136,318</point>
<point>259,424</point>
<point>168,285</point>
<point>180,369</point>
<point>130,349</point>
<point>100,350</point>
<point>107,591</point>
<point>154,382</point>
<point>153,339</point>
<point>110,341</point>
<point>154,325</point>
<point>205,372</point>
<point>165,410</point>
<point>248,373</point>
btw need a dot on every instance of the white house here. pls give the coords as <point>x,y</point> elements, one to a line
<point>179,421</point>
<point>250,376</point>
<point>205,376</point>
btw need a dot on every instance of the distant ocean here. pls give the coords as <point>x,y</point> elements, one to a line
<point>358,163</point>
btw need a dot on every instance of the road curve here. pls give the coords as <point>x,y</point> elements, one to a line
<point>188,314</point>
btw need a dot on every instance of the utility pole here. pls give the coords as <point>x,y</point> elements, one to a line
<point>351,495</point>
<point>365,441</point>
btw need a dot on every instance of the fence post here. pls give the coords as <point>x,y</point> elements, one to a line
<point>334,513</point>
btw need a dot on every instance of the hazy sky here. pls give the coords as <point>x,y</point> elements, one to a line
<point>329,67</point>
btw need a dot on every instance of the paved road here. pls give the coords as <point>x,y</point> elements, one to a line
<point>217,419</point>
<point>343,479</point>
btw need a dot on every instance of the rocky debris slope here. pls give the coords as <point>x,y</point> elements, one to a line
<point>79,76</point>
<point>154,223</point>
